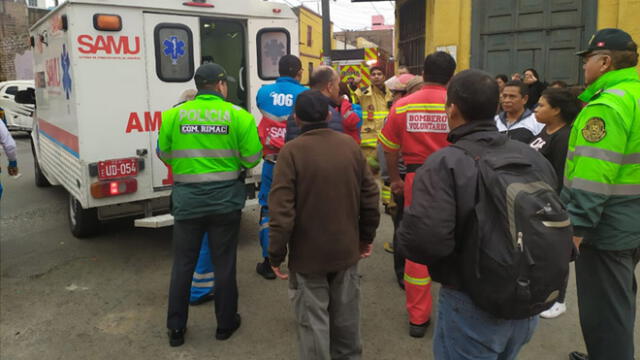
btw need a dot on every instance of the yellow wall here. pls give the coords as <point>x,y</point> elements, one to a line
<point>449,24</point>
<point>622,14</point>
<point>313,53</point>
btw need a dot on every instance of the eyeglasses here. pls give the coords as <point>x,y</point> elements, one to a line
<point>585,59</point>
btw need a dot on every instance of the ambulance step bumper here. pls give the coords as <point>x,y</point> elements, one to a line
<point>163,220</point>
<point>155,221</point>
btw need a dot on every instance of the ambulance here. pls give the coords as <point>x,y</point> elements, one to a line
<point>104,72</point>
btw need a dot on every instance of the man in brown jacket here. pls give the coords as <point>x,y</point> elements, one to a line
<point>324,209</point>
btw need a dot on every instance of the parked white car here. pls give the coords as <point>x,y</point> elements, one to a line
<point>16,116</point>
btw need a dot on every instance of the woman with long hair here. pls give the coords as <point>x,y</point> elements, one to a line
<point>557,108</point>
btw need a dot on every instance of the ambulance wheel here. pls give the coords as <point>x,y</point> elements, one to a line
<point>41,180</point>
<point>83,222</point>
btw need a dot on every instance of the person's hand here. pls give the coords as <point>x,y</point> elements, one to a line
<point>13,170</point>
<point>397,187</point>
<point>279,274</point>
<point>577,241</point>
<point>365,250</point>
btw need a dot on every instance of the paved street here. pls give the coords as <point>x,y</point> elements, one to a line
<point>105,297</point>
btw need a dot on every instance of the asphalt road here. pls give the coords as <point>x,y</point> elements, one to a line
<point>106,297</point>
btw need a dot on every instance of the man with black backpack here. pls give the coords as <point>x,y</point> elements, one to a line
<point>486,220</point>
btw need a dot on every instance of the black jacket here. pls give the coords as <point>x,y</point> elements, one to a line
<point>438,221</point>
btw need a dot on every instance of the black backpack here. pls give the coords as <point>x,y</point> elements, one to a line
<point>516,257</point>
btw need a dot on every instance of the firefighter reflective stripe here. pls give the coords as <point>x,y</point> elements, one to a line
<point>388,143</point>
<point>600,188</point>
<point>604,154</point>
<point>385,193</point>
<point>208,284</point>
<point>417,281</point>
<point>376,114</point>
<point>369,143</point>
<point>420,107</point>
<point>214,176</point>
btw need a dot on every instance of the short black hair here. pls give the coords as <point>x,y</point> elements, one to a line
<point>559,83</point>
<point>524,88</point>
<point>503,77</point>
<point>565,100</point>
<point>475,93</point>
<point>439,68</point>
<point>289,65</point>
<point>321,77</point>
<point>312,106</point>
<point>379,68</point>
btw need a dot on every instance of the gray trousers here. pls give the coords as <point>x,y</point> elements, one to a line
<point>327,313</point>
<point>607,301</point>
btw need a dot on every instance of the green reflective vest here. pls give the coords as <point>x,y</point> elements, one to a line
<point>602,172</point>
<point>208,139</point>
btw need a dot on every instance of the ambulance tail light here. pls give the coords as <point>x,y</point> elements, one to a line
<point>102,189</point>
<point>107,22</point>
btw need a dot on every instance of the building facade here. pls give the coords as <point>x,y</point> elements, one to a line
<point>504,36</point>
<point>310,37</point>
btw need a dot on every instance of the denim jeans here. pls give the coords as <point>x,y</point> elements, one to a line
<point>465,332</point>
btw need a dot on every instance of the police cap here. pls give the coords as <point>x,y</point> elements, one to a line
<point>610,39</point>
<point>211,73</point>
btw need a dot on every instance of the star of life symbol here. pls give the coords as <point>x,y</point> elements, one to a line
<point>274,50</point>
<point>174,48</point>
<point>66,74</point>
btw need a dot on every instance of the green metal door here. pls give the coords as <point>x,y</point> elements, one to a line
<point>509,36</point>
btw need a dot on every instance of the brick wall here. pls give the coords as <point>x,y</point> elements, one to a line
<point>15,19</point>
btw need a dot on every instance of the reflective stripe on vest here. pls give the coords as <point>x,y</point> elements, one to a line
<point>214,176</point>
<point>369,143</point>
<point>417,281</point>
<point>601,188</point>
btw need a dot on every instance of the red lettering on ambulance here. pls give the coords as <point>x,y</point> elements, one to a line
<point>152,124</point>
<point>120,45</point>
<point>134,123</point>
<point>169,178</point>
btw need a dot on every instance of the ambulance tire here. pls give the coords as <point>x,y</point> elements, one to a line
<point>82,222</point>
<point>41,180</point>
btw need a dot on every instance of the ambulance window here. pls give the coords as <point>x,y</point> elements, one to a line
<point>273,44</point>
<point>174,52</point>
<point>11,90</point>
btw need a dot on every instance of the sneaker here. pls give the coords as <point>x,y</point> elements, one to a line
<point>388,247</point>
<point>556,310</point>
<point>264,269</point>
<point>418,331</point>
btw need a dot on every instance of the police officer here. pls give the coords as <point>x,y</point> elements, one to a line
<point>602,193</point>
<point>275,102</point>
<point>208,142</point>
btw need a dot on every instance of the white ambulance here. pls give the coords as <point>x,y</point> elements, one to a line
<point>106,69</point>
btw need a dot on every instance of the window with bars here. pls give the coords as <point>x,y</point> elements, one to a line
<point>412,35</point>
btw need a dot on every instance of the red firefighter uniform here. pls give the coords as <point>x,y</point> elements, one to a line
<point>417,127</point>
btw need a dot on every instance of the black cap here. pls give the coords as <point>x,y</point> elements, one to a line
<point>289,65</point>
<point>312,106</point>
<point>211,73</point>
<point>610,39</point>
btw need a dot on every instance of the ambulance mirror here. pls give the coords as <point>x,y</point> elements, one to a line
<point>26,97</point>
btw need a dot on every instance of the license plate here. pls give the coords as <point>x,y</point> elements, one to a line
<point>117,168</point>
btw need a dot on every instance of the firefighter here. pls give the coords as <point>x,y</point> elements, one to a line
<point>275,102</point>
<point>374,101</point>
<point>208,143</point>
<point>416,128</point>
<point>602,194</point>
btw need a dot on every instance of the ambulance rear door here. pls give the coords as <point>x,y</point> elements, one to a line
<point>269,40</point>
<point>172,55</point>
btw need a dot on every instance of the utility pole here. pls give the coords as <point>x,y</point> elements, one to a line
<point>326,33</point>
